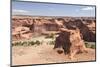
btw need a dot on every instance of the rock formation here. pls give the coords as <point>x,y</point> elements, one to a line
<point>71,41</point>
<point>21,32</point>
<point>88,31</point>
<point>40,25</point>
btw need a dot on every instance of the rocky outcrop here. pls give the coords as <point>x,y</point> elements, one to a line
<point>71,41</point>
<point>40,25</point>
<point>21,33</point>
<point>88,31</point>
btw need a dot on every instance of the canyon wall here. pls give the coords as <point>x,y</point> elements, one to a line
<point>25,25</point>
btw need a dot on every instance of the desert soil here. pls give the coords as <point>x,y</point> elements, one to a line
<point>22,55</point>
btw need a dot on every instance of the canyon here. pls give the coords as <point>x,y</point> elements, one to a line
<point>23,27</point>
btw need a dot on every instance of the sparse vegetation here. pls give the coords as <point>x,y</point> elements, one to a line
<point>87,45</point>
<point>26,43</point>
<point>32,42</point>
<point>51,42</point>
<point>37,42</point>
<point>50,36</point>
<point>93,46</point>
<point>90,45</point>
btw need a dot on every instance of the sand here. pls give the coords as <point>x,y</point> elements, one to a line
<point>23,55</point>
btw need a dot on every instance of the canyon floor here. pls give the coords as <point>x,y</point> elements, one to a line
<point>42,54</point>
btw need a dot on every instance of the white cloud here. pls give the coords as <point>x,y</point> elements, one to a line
<point>87,8</point>
<point>17,11</point>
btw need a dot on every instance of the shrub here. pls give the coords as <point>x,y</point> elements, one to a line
<point>13,44</point>
<point>50,36</point>
<point>52,42</point>
<point>32,43</point>
<point>22,43</point>
<point>16,43</point>
<point>93,46</point>
<point>87,45</point>
<point>26,43</point>
<point>90,45</point>
<point>37,42</point>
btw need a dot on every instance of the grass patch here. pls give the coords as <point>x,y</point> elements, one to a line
<point>90,45</point>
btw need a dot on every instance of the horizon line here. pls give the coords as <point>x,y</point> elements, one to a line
<point>51,16</point>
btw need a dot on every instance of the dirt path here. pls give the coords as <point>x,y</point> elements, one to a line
<point>45,54</point>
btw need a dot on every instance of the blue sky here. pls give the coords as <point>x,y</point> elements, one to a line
<point>43,9</point>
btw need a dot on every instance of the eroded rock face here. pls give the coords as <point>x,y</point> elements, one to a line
<point>71,41</point>
<point>87,28</point>
<point>63,41</point>
<point>20,33</point>
<point>40,25</point>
